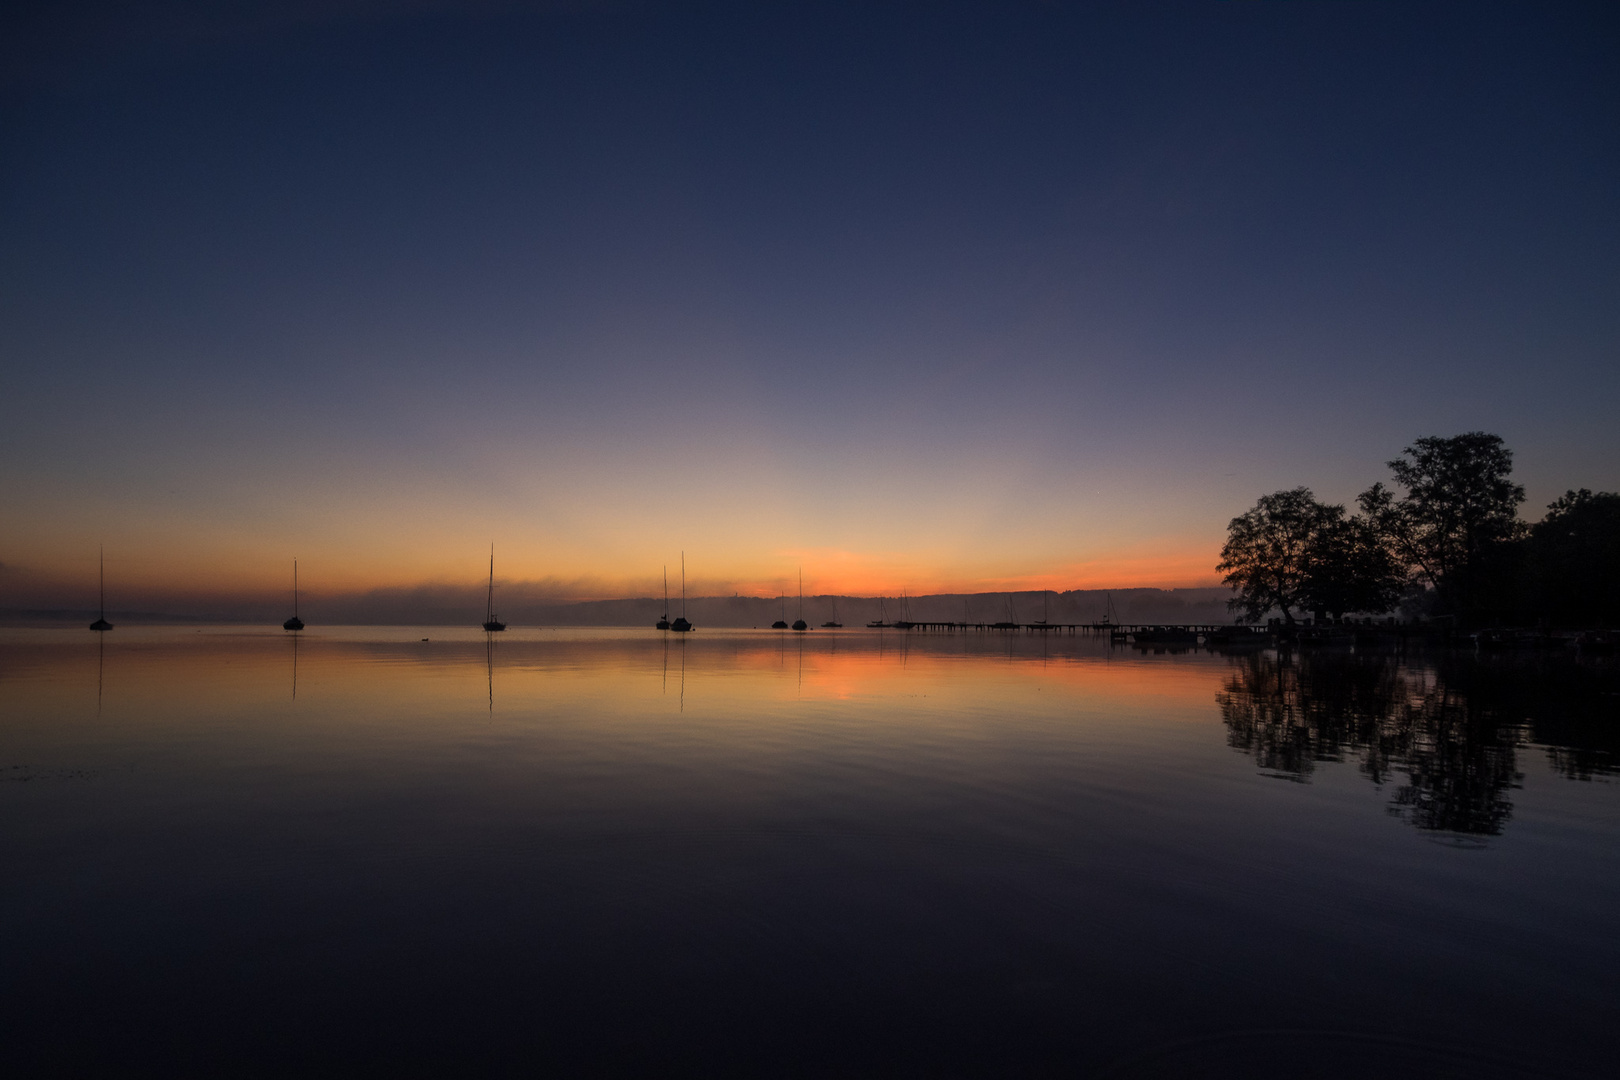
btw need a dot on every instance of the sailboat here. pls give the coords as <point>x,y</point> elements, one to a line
<point>1044,593</point>
<point>101,622</point>
<point>833,623</point>
<point>799,623</point>
<point>663,620</point>
<point>878,623</point>
<point>680,624</point>
<point>1011,621</point>
<point>904,621</point>
<point>781,624</point>
<point>491,623</point>
<point>294,623</point>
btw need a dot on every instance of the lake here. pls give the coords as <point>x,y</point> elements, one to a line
<point>418,851</point>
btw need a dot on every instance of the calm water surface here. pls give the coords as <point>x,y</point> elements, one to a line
<point>844,853</point>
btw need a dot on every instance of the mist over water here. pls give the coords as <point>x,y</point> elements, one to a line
<point>845,852</point>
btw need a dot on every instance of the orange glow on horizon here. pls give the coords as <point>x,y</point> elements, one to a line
<point>850,574</point>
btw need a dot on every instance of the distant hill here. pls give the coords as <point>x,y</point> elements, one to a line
<point>53,616</point>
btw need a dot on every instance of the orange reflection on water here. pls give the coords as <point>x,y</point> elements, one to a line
<point>361,676</point>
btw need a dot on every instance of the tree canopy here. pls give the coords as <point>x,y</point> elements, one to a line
<point>1268,550</point>
<point>1575,558</point>
<point>1459,506</point>
<point>1446,536</point>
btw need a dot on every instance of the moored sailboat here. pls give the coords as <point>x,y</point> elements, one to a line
<point>101,622</point>
<point>294,623</point>
<point>681,625</point>
<point>799,623</point>
<point>904,621</point>
<point>491,623</point>
<point>663,620</point>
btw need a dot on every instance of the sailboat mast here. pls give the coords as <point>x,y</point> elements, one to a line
<point>102,602</point>
<point>683,584</point>
<point>295,588</point>
<point>489,600</point>
<point>801,592</point>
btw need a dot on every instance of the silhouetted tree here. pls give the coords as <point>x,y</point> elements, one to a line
<point>1350,568</point>
<point>1292,551</point>
<point>1267,556</point>
<point>1458,510</point>
<point>1574,556</point>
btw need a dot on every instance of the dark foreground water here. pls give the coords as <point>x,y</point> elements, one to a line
<point>614,852</point>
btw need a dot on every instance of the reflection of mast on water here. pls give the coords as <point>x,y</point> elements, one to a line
<point>489,667</point>
<point>683,674</point>
<point>295,666</point>
<point>101,649</point>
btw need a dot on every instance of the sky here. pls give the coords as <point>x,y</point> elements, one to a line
<point>933,297</point>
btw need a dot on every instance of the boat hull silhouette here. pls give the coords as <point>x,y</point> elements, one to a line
<point>101,624</point>
<point>294,623</point>
<point>493,626</point>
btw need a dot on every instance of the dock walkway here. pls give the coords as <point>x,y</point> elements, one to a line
<point>1190,630</point>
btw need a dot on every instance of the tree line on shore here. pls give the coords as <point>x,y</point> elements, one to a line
<point>1444,540</point>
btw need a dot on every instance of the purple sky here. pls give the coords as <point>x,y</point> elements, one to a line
<point>932,296</point>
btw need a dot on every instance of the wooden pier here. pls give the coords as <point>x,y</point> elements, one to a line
<point>1119,631</point>
<point>1185,634</point>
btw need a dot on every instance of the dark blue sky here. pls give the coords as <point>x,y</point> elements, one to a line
<point>948,294</point>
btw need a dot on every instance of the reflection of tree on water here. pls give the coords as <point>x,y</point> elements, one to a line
<point>1457,752</point>
<point>1572,709</point>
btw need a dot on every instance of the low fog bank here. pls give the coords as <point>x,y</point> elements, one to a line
<point>451,606</point>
